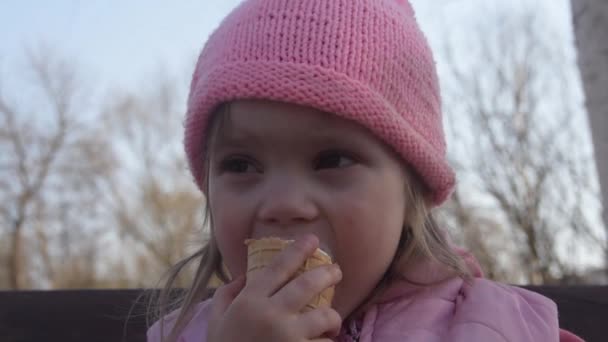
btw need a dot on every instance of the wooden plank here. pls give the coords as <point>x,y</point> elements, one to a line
<point>101,315</point>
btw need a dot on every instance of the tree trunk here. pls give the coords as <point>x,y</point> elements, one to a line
<point>590,18</point>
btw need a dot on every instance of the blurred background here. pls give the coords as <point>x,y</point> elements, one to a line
<point>95,191</point>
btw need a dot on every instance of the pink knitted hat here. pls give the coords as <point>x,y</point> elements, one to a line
<point>364,60</point>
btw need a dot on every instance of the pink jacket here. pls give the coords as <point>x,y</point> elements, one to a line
<point>450,310</point>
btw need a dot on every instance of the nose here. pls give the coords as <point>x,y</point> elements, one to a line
<point>286,203</point>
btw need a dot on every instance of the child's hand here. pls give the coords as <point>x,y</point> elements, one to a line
<point>268,307</point>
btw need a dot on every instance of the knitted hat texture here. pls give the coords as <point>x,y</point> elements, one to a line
<point>363,60</point>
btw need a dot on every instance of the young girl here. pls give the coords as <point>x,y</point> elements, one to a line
<point>319,121</point>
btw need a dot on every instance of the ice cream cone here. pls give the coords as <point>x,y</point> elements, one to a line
<point>261,252</point>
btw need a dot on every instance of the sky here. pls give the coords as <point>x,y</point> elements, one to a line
<point>119,41</point>
<point>122,42</point>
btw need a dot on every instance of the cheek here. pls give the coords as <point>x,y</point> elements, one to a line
<point>364,253</point>
<point>369,239</point>
<point>230,228</point>
<point>367,226</point>
<point>371,218</point>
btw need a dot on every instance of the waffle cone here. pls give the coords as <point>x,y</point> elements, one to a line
<point>260,253</point>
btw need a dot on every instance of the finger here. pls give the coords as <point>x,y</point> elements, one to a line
<point>225,294</point>
<point>320,322</point>
<point>297,293</point>
<point>284,266</point>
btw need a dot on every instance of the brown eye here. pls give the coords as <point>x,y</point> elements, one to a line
<point>237,165</point>
<point>332,160</point>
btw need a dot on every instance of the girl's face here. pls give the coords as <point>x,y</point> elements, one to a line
<point>284,170</point>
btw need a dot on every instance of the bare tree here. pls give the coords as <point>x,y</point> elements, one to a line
<point>477,231</point>
<point>51,167</point>
<point>590,19</point>
<point>512,111</point>
<point>156,207</point>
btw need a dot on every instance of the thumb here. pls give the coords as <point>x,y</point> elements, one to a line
<point>225,294</point>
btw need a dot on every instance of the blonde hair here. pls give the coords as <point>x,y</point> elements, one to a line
<point>420,238</point>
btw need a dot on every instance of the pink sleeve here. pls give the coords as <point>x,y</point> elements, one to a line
<point>153,334</point>
<point>195,330</point>
<point>511,313</point>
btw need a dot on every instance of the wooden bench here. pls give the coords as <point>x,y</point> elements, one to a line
<point>101,315</point>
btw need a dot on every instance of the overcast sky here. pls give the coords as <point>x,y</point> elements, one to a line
<point>120,41</point>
